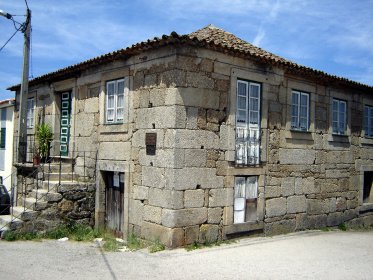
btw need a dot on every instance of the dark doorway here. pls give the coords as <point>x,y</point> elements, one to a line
<point>367,190</point>
<point>114,201</point>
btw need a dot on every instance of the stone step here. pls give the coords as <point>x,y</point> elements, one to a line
<point>56,176</point>
<point>55,167</point>
<point>33,204</point>
<point>9,222</point>
<point>24,214</point>
<point>39,194</point>
<point>64,186</point>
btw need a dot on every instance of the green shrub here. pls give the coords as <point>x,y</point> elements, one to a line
<point>342,227</point>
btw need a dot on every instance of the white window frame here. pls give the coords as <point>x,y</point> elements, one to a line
<point>245,193</point>
<point>368,121</point>
<point>117,109</point>
<point>248,118</point>
<point>339,119</point>
<point>296,123</point>
<point>30,112</point>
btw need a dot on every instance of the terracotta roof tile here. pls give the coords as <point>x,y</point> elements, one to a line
<point>209,37</point>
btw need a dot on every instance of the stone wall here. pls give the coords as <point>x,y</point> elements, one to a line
<point>68,203</point>
<point>184,193</point>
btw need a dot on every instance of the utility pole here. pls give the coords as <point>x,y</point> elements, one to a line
<point>22,112</point>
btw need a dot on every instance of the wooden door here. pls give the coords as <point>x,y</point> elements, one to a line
<point>114,202</point>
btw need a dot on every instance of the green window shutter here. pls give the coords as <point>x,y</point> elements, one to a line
<point>2,138</point>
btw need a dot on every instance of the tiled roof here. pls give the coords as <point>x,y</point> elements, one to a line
<point>209,37</point>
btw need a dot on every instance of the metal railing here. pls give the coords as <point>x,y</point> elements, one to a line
<point>39,174</point>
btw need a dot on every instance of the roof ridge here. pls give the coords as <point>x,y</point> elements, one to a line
<point>209,36</point>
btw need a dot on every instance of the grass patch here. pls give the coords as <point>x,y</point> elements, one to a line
<point>111,244</point>
<point>342,227</point>
<point>156,247</point>
<point>195,245</point>
<point>134,243</point>
<point>325,229</point>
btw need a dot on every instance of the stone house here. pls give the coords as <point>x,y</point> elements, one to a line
<point>204,136</point>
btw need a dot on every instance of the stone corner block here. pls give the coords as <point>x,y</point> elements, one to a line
<point>183,217</point>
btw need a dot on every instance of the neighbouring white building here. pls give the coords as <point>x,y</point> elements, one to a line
<point>6,141</point>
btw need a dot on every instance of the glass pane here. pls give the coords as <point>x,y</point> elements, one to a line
<point>120,87</point>
<point>110,114</point>
<point>366,118</point>
<point>241,89</point>
<point>241,103</point>
<point>254,117</point>
<point>110,88</point>
<point>342,127</point>
<point>295,98</point>
<point>294,122</point>
<point>241,116</point>
<point>294,111</point>
<point>335,105</point>
<point>239,188</point>
<point>120,101</point>
<point>303,123</point>
<point>254,90</point>
<point>335,116</point>
<point>251,187</point>
<point>303,112</point>
<point>342,106</point>
<point>335,127</point>
<point>110,102</point>
<point>304,100</point>
<point>254,104</point>
<point>120,113</point>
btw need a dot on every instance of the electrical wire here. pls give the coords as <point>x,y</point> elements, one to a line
<point>10,38</point>
<point>26,4</point>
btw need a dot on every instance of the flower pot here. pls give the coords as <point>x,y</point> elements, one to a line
<point>36,160</point>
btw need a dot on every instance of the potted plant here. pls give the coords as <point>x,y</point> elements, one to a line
<point>44,137</point>
<point>35,155</point>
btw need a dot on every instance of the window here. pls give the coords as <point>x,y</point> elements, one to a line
<point>300,107</point>
<point>245,199</point>
<point>339,109</point>
<point>247,123</point>
<point>3,128</point>
<point>30,112</point>
<point>115,101</point>
<point>368,185</point>
<point>2,137</point>
<point>368,121</point>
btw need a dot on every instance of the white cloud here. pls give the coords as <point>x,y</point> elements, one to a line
<point>259,37</point>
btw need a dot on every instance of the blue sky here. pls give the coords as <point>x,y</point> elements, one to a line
<point>335,36</point>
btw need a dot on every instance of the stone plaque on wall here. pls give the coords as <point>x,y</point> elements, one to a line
<point>150,143</point>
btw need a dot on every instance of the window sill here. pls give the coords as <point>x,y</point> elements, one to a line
<point>299,135</point>
<point>366,141</point>
<point>114,128</point>
<point>243,227</point>
<point>366,207</point>
<point>339,138</point>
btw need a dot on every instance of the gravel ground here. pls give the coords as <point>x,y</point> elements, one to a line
<point>306,255</point>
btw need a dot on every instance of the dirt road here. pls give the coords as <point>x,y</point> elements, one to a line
<point>308,255</point>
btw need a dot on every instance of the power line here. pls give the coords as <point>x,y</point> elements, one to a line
<point>10,39</point>
<point>26,4</point>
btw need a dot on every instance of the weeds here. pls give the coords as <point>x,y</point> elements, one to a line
<point>156,247</point>
<point>134,243</point>
<point>342,227</point>
<point>195,245</point>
